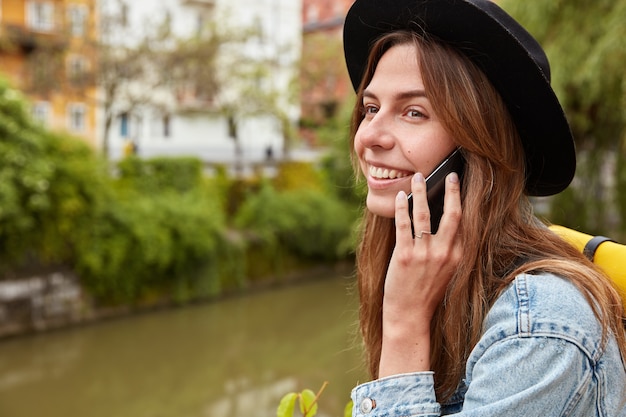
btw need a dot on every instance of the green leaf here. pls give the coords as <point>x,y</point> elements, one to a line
<point>308,405</point>
<point>347,412</point>
<point>287,405</point>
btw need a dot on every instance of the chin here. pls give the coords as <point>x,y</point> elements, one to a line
<point>381,206</point>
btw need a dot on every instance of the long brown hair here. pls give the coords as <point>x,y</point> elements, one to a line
<point>501,236</point>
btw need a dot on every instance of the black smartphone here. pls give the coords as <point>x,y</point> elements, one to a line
<point>436,186</point>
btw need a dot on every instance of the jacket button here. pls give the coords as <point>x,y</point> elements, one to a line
<point>367,405</point>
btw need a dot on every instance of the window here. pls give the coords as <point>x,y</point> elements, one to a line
<point>124,125</point>
<point>78,71</point>
<point>77,17</point>
<point>40,15</point>
<point>76,68</point>
<point>41,112</point>
<point>312,14</point>
<point>77,115</point>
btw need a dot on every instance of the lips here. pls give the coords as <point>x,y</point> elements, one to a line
<point>385,173</point>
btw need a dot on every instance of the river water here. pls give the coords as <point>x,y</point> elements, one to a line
<point>235,357</point>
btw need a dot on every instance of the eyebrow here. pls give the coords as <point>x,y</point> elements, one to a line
<point>403,95</point>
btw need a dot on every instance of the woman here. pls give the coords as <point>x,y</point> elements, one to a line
<point>492,315</point>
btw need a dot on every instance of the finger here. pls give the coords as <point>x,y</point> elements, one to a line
<point>404,234</point>
<point>452,211</point>
<point>421,212</point>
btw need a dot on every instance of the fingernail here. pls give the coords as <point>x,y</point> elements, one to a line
<point>453,178</point>
<point>401,196</point>
<point>418,177</point>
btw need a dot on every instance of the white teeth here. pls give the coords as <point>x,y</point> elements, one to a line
<point>386,173</point>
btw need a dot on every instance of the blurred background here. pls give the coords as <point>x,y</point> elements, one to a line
<point>178,210</point>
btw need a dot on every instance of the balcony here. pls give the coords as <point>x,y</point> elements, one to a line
<point>199,3</point>
<point>28,40</point>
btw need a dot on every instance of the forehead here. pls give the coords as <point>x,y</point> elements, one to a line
<point>398,66</point>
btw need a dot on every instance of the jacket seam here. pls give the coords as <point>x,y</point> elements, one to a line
<point>523,307</point>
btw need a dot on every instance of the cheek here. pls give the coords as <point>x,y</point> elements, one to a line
<point>359,150</point>
<point>357,146</point>
<point>415,151</point>
<point>425,152</point>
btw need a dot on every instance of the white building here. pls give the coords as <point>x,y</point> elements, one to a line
<point>168,124</point>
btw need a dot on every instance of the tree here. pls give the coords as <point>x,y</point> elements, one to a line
<point>320,78</point>
<point>125,69</point>
<point>251,88</point>
<point>585,44</point>
<point>256,76</point>
<point>216,69</point>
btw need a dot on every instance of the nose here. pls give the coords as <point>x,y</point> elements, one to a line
<point>375,132</point>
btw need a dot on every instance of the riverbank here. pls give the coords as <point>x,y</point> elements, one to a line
<point>54,300</point>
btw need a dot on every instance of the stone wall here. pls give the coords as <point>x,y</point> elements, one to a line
<point>40,302</point>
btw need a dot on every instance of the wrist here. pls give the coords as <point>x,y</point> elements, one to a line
<point>404,351</point>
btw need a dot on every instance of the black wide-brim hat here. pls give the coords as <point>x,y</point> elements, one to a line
<point>509,56</point>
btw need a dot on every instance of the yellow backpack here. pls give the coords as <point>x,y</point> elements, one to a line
<point>604,252</point>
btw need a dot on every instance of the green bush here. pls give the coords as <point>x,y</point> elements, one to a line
<point>49,184</point>
<point>162,173</point>
<point>293,175</point>
<point>79,186</point>
<point>169,242</point>
<point>305,222</point>
<point>158,229</point>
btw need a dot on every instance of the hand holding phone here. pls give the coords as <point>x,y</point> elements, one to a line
<point>435,187</point>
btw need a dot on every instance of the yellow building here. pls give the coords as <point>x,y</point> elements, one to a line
<point>47,50</point>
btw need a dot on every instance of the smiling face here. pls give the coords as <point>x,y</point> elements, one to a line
<point>400,133</point>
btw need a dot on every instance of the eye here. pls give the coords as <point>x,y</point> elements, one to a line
<point>369,109</point>
<point>414,113</point>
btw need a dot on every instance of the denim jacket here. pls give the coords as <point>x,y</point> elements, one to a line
<point>539,355</point>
